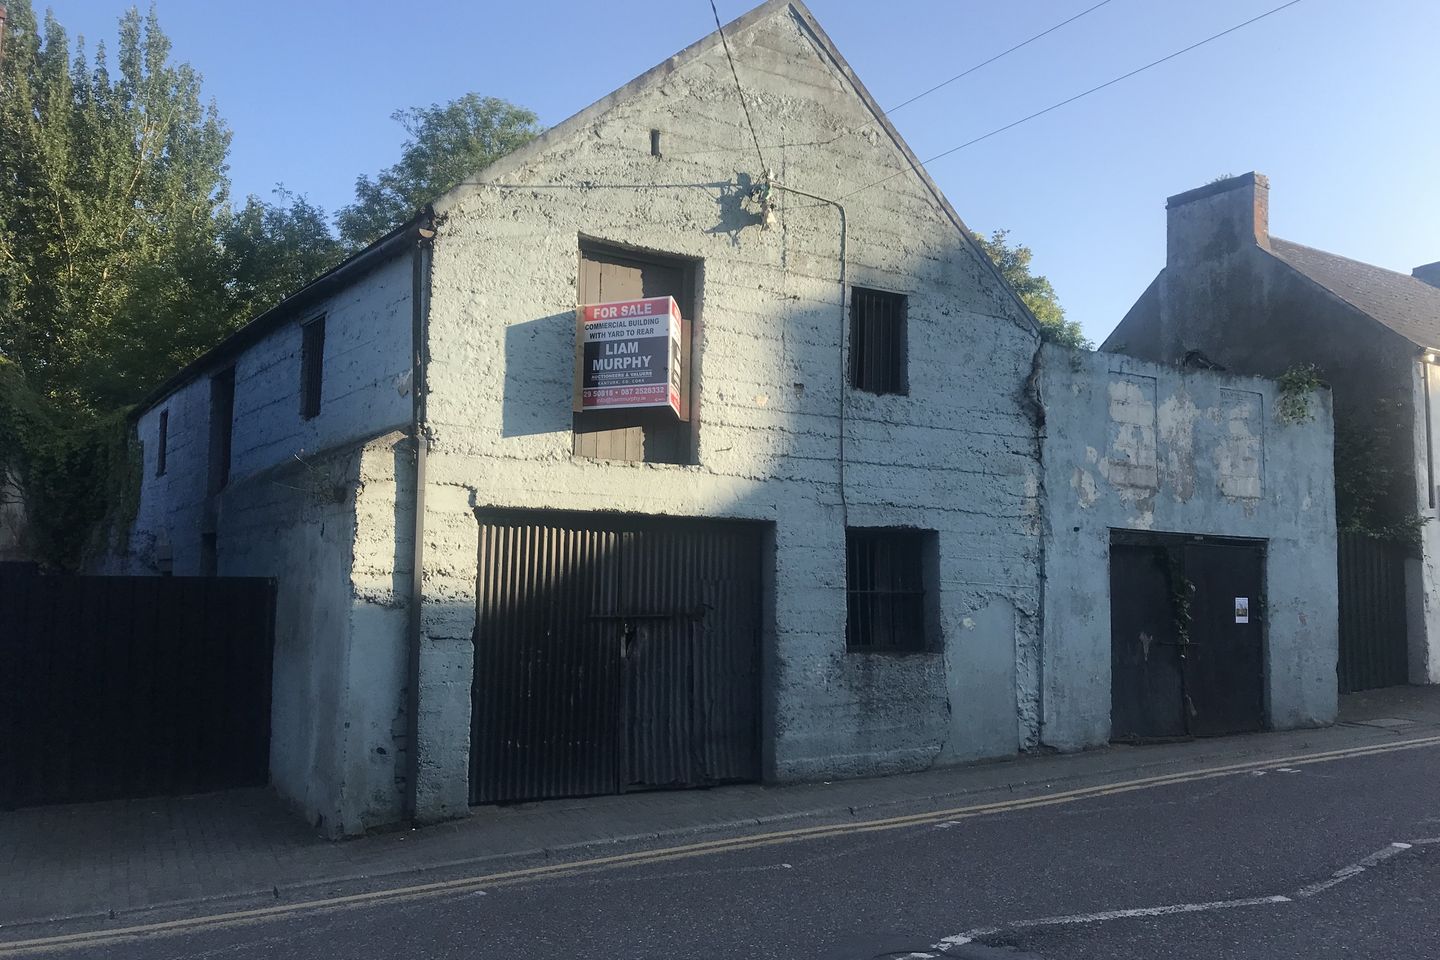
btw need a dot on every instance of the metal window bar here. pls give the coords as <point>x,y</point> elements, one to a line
<point>885,594</point>
<point>877,341</point>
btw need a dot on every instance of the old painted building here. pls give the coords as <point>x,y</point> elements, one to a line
<point>838,553</point>
<point>1234,296</point>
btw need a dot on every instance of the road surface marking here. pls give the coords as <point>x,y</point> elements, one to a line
<point>1354,870</point>
<point>685,851</point>
<point>938,948</point>
<point>970,936</point>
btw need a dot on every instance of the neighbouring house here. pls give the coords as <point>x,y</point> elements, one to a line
<point>1233,296</point>
<point>861,525</point>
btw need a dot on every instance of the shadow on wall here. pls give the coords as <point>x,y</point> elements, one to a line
<point>769,452</point>
<point>519,418</point>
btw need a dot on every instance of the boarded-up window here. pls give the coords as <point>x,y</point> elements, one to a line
<point>312,366</point>
<point>888,607</point>
<point>878,353</point>
<point>222,422</point>
<point>653,435</point>
<point>161,441</point>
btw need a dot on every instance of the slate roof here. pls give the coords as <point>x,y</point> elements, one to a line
<point>1406,305</point>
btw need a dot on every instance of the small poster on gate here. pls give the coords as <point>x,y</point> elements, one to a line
<point>629,354</point>
<point>1242,609</point>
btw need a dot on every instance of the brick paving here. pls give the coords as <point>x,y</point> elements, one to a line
<point>97,859</point>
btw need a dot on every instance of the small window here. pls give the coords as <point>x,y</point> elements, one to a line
<point>877,341</point>
<point>888,608</point>
<point>222,424</point>
<point>312,366</point>
<point>161,442</point>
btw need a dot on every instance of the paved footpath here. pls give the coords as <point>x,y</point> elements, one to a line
<point>82,869</point>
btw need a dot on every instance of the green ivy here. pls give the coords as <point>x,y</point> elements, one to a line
<point>1297,385</point>
<point>1366,485</point>
<point>79,472</point>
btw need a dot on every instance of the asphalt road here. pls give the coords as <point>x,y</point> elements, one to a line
<point>1315,860</point>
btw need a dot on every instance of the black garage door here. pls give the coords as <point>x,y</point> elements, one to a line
<point>1187,636</point>
<point>614,654</point>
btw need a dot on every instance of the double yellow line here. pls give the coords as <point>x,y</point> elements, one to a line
<point>686,851</point>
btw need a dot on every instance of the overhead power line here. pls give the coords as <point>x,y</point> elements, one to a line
<point>998,56</point>
<point>738,89</point>
<point>1078,96</point>
<point>884,114</point>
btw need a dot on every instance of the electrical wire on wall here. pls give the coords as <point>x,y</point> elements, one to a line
<point>738,89</point>
<point>763,196</point>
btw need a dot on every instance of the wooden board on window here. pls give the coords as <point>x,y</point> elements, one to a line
<point>653,435</point>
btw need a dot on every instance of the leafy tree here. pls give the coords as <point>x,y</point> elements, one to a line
<point>109,193</point>
<point>1036,292</point>
<point>268,251</point>
<point>445,144</point>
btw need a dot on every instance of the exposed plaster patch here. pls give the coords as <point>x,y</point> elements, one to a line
<point>1130,456</point>
<point>1083,483</point>
<point>1240,452</point>
<point>1176,421</point>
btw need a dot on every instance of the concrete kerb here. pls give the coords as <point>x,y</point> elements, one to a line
<point>1099,767</point>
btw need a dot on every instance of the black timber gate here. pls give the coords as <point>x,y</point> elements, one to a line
<point>1373,626</point>
<point>116,687</point>
<point>614,654</point>
<point>1187,636</point>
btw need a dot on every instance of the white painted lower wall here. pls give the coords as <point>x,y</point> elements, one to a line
<point>337,710</point>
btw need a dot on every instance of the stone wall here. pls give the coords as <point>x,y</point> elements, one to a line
<point>957,455</point>
<point>1132,445</point>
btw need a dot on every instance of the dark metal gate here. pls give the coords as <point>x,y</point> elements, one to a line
<point>114,687</point>
<point>1187,636</point>
<point>614,654</point>
<point>1373,629</point>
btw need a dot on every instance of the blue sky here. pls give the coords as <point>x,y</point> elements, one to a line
<point>1338,101</point>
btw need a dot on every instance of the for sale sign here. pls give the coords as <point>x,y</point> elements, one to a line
<point>630,354</point>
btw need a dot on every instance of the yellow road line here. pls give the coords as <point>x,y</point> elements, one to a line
<point>688,851</point>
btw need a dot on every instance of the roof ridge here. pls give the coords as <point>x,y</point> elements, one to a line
<point>1341,256</point>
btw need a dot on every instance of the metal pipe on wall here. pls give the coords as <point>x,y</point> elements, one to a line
<point>419,327</point>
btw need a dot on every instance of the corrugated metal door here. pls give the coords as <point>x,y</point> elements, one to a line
<point>613,654</point>
<point>1373,629</point>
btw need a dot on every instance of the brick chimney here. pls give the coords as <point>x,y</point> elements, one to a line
<point>1428,272</point>
<point>1217,220</point>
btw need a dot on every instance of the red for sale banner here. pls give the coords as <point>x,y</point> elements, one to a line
<point>630,354</point>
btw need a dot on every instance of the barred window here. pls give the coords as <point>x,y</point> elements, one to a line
<point>887,604</point>
<point>878,358</point>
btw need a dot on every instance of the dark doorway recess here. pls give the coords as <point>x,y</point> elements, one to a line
<point>1187,636</point>
<point>117,687</point>
<point>613,654</point>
